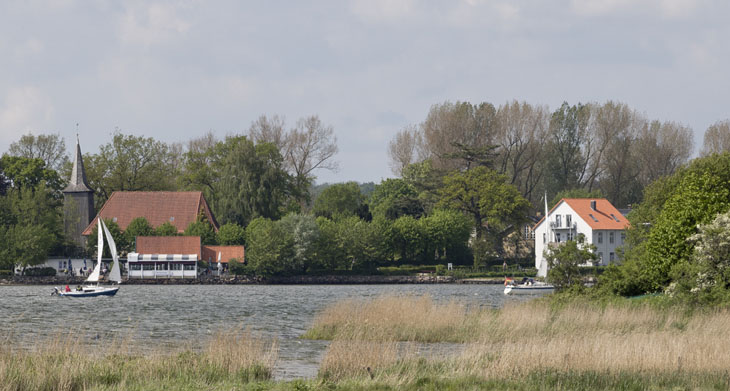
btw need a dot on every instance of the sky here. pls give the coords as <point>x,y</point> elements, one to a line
<point>174,70</point>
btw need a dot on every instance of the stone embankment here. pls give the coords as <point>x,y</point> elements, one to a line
<point>424,278</point>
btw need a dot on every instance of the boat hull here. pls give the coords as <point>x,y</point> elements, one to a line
<point>101,291</point>
<point>528,290</point>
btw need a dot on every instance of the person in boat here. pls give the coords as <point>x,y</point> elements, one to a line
<point>78,288</point>
<point>67,288</point>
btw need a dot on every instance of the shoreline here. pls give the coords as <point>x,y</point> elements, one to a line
<point>242,280</point>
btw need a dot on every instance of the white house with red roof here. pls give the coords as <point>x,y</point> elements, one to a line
<point>600,223</point>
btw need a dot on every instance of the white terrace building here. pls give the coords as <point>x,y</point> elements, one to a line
<point>596,219</point>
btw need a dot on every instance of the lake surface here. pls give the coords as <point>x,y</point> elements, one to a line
<point>186,315</point>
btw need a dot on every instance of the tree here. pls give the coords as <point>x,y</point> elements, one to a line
<point>165,229</point>
<point>706,277</point>
<point>50,148</point>
<point>563,262</point>
<point>446,233</point>
<point>408,238</point>
<point>717,138</point>
<point>494,205</point>
<point>23,172</point>
<point>660,226</point>
<point>568,147</point>
<point>394,198</point>
<point>201,227</point>
<point>307,147</point>
<point>450,125</point>
<point>240,180</point>
<point>130,163</point>
<point>520,131</point>
<point>341,199</point>
<point>661,149</point>
<point>231,234</point>
<point>304,233</point>
<point>269,247</point>
<point>139,226</point>
<point>24,245</point>
<point>403,148</point>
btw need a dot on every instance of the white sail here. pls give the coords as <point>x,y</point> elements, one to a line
<point>94,276</point>
<point>115,274</point>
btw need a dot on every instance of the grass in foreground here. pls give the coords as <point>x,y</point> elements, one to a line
<point>65,363</point>
<point>530,345</point>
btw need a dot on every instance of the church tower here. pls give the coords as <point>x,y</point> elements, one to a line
<point>78,201</point>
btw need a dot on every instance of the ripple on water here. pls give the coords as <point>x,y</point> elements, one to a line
<point>182,316</point>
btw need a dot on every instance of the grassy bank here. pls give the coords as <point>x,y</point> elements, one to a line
<point>530,345</point>
<point>65,362</point>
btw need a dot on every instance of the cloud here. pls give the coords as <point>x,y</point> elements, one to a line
<point>665,8</point>
<point>24,109</point>
<point>382,10</point>
<point>151,24</point>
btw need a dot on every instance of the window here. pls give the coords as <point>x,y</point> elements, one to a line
<point>600,257</point>
<point>593,217</point>
<point>610,237</point>
<point>570,236</point>
<point>623,237</point>
<point>176,266</point>
<point>568,220</point>
<point>610,257</point>
<point>190,267</point>
<point>154,257</point>
<point>148,266</point>
<point>600,237</point>
<point>544,238</point>
<point>615,218</point>
<point>185,257</point>
<point>59,265</point>
<point>135,266</point>
<point>161,266</point>
<point>170,257</point>
<point>557,221</point>
<point>557,237</point>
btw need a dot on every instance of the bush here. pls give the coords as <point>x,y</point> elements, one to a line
<point>40,272</point>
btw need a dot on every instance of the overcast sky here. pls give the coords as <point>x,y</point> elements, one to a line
<point>173,70</point>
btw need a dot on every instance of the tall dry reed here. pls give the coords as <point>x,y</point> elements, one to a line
<point>525,338</point>
<point>68,362</point>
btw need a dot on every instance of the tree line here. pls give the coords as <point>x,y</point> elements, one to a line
<point>468,177</point>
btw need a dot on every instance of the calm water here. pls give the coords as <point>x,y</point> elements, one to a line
<point>174,315</point>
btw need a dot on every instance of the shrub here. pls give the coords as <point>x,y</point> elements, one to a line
<point>40,272</point>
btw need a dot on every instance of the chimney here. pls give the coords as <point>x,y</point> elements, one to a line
<point>593,204</point>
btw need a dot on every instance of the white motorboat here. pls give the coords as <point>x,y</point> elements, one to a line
<point>92,288</point>
<point>528,286</point>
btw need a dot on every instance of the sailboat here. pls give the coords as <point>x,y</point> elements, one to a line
<point>92,288</point>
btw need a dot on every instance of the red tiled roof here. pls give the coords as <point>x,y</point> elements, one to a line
<point>210,253</point>
<point>169,245</point>
<point>180,208</point>
<point>603,219</point>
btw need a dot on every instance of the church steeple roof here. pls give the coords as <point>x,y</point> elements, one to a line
<point>77,182</point>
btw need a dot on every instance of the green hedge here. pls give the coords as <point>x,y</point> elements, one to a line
<point>40,272</point>
<point>6,272</point>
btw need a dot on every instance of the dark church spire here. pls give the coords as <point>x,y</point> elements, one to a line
<point>77,182</point>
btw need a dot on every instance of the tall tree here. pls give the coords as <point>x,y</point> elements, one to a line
<point>309,146</point>
<point>402,149</point>
<point>568,148</point>
<point>495,206</point>
<point>520,132</point>
<point>662,148</point>
<point>130,163</point>
<point>451,126</point>
<point>240,180</point>
<point>717,138</point>
<point>50,148</point>
<point>340,199</point>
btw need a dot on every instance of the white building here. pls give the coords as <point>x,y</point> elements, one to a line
<point>597,220</point>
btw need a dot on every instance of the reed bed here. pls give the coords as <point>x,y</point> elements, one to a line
<point>613,343</point>
<point>66,362</point>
